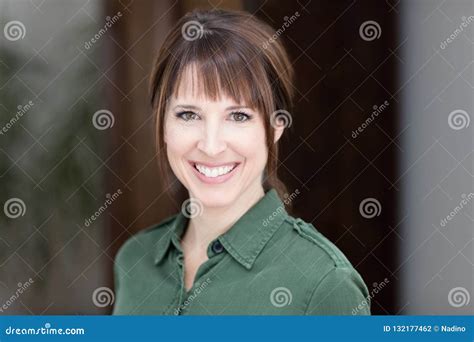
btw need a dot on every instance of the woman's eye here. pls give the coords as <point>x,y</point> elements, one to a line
<point>187,116</point>
<point>240,117</point>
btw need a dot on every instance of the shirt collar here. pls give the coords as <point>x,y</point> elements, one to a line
<point>245,239</point>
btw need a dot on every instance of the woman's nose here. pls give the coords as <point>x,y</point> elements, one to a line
<point>212,141</point>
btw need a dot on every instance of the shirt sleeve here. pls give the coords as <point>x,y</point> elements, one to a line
<point>117,268</point>
<point>341,292</point>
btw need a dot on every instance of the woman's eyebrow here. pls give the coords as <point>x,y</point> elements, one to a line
<point>187,107</point>
<point>237,107</point>
<point>192,107</point>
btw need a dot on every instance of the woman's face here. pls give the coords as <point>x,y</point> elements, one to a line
<point>217,149</point>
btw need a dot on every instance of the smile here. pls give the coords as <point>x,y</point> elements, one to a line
<point>216,173</point>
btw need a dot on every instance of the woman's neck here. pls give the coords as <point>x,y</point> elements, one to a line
<point>215,221</point>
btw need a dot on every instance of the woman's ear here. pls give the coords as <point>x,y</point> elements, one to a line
<point>278,133</point>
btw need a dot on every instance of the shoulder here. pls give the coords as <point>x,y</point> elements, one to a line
<point>335,283</point>
<point>317,245</point>
<point>142,242</point>
<point>341,291</point>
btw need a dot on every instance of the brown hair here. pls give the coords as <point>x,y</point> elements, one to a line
<point>235,53</point>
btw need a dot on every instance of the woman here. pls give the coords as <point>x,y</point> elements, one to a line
<point>221,88</point>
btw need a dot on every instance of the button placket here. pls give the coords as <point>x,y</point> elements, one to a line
<point>179,309</point>
<point>217,248</point>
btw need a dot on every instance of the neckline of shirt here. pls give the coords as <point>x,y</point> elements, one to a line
<point>245,240</point>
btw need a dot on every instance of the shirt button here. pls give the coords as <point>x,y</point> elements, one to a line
<point>217,247</point>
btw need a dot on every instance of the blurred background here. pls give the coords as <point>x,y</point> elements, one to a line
<point>380,148</point>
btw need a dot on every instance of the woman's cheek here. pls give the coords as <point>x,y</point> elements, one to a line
<point>177,146</point>
<point>180,139</point>
<point>251,142</point>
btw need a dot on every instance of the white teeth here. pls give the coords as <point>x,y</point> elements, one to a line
<point>215,171</point>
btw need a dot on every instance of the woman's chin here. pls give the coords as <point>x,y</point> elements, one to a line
<point>210,198</point>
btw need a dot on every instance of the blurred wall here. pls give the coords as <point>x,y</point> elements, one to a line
<point>436,88</point>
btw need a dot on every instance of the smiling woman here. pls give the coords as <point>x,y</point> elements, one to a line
<point>219,90</point>
<point>212,60</point>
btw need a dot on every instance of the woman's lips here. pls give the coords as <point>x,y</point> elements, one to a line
<point>214,180</point>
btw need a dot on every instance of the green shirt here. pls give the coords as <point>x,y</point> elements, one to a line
<point>267,263</point>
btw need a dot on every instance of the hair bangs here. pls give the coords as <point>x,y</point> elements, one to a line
<point>215,71</point>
